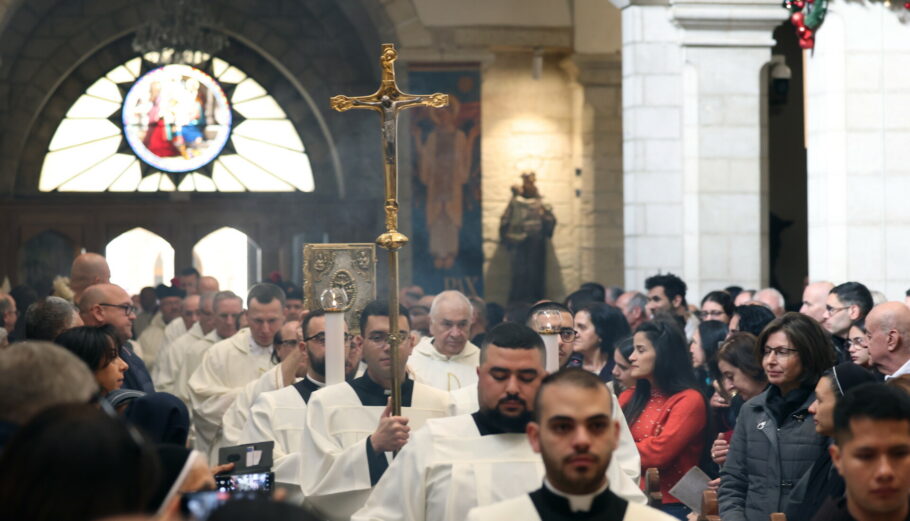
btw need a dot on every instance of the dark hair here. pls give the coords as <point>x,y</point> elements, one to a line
<point>854,294</point>
<point>262,509</point>
<point>625,348</point>
<point>860,324</point>
<point>596,289</point>
<point>512,335</point>
<point>495,314</point>
<point>305,323</point>
<point>753,318</point>
<point>185,272</point>
<point>672,285</point>
<point>380,308</point>
<point>97,346</point>
<point>812,343</point>
<point>579,299</point>
<point>712,333</point>
<point>873,401</point>
<point>609,324</point>
<point>614,292</point>
<point>72,463</point>
<point>265,293</point>
<point>733,291</point>
<point>517,312</point>
<point>739,351</point>
<point>721,298</point>
<point>574,376</point>
<point>47,318</point>
<point>672,366</point>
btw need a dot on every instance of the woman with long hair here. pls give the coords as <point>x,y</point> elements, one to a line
<point>703,347</point>
<point>622,377</point>
<point>666,412</point>
<point>599,327</point>
<point>717,305</point>
<point>857,345</point>
<point>774,441</point>
<point>97,347</point>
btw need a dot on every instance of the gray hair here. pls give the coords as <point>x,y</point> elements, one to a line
<point>454,296</point>
<point>47,318</point>
<point>221,296</point>
<point>777,294</point>
<point>35,375</point>
<point>639,300</point>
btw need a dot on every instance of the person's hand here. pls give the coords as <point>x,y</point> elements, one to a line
<point>221,469</point>
<point>289,365</point>
<point>392,432</point>
<point>718,401</point>
<point>719,450</point>
<point>714,484</point>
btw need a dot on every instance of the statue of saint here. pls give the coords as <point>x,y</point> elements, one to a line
<point>524,228</point>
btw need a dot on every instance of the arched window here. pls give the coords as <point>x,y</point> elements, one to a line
<point>139,258</point>
<point>231,257</point>
<point>103,142</point>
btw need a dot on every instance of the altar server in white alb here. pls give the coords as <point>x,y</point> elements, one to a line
<point>447,360</point>
<point>575,432</point>
<point>455,464</point>
<point>230,364</point>
<point>350,432</point>
<point>170,357</point>
<point>170,305</point>
<point>280,416</point>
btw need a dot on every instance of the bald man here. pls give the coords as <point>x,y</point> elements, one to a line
<point>88,269</point>
<point>447,360</point>
<point>773,299</point>
<point>208,284</point>
<point>814,297</point>
<point>104,304</point>
<point>888,332</point>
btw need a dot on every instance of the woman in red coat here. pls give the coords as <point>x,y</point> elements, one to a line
<point>666,413</point>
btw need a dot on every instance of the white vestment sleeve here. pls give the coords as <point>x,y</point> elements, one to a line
<point>281,417</point>
<point>237,414</point>
<point>401,493</point>
<point>629,461</point>
<point>211,396</point>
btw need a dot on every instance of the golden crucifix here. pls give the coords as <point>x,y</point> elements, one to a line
<point>387,101</point>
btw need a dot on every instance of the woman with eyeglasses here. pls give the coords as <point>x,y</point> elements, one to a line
<point>717,305</point>
<point>774,442</point>
<point>857,346</point>
<point>97,347</point>
<point>599,326</point>
<point>666,411</point>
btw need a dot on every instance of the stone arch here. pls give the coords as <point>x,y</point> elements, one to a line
<point>138,258</point>
<point>231,256</point>
<point>317,41</point>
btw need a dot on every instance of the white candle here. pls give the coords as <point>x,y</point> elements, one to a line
<point>551,342</point>
<point>334,347</point>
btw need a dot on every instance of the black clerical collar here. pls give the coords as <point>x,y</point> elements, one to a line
<point>307,387</point>
<point>372,394</point>
<point>553,507</point>
<point>488,425</point>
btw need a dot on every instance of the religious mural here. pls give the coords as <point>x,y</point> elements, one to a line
<point>446,212</point>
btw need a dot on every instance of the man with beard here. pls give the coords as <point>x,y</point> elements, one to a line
<point>455,464</point>
<point>350,429</point>
<point>281,415</point>
<point>575,432</point>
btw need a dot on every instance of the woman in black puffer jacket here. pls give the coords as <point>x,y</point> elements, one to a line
<point>774,442</point>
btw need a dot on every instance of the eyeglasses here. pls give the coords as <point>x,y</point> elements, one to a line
<point>711,314</point>
<point>127,309</point>
<point>567,334</point>
<point>319,338</point>
<point>383,338</point>
<point>858,342</point>
<point>779,352</point>
<point>288,343</point>
<point>832,311</point>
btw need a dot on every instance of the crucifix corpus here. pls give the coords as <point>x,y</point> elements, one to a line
<point>387,101</point>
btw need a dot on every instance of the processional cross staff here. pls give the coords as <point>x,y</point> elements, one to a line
<point>387,101</point>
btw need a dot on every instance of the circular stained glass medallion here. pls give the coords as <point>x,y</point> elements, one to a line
<point>176,118</point>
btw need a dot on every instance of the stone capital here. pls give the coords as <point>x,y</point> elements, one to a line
<point>727,23</point>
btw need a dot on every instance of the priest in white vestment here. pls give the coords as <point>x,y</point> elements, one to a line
<point>231,364</point>
<point>227,308</point>
<point>455,464</point>
<point>576,433</point>
<point>197,309</point>
<point>170,303</point>
<point>350,432</point>
<point>280,416</point>
<point>447,359</point>
<point>282,375</point>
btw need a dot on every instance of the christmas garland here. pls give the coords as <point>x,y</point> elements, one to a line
<point>807,16</point>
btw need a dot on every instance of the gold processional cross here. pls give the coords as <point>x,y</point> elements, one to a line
<point>387,101</point>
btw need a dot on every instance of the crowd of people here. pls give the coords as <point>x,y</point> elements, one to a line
<point>117,405</point>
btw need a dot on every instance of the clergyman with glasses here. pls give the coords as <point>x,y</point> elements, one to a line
<point>109,304</point>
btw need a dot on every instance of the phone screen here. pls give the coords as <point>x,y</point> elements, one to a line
<point>243,482</point>
<point>198,506</point>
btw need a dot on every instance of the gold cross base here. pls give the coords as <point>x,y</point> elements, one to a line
<point>392,240</point>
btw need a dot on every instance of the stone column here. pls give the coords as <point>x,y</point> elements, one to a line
<point>693,143</point>
<point>725,48</point>
<point>858,118</point>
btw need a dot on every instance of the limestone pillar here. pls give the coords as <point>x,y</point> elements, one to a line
<point>694,149</point>
<point>858,120</point>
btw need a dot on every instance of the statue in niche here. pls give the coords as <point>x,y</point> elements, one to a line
<point>524,228</point>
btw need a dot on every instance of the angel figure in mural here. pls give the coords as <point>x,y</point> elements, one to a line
<point>444,166</point>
